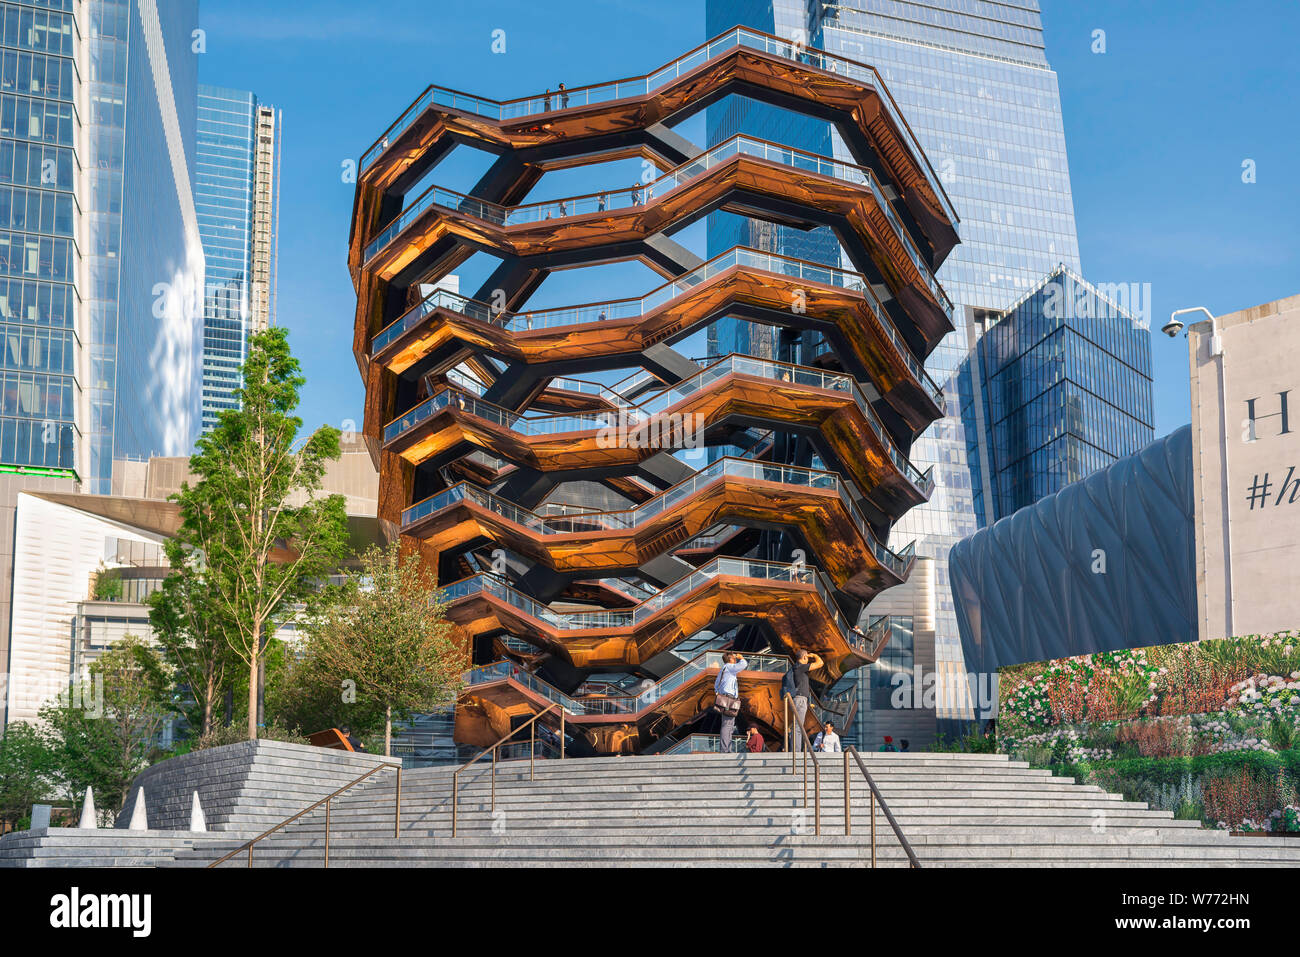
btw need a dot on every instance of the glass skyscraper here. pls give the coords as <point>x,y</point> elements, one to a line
<point>973,81</point>
<point>972,78</point>
<point>145,258</point>
<point>101,265</point>
<point>236,182</point>
<point>1066,375</point>
<point>40,257</point>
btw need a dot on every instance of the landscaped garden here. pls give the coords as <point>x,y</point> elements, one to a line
<point>1208,730</point>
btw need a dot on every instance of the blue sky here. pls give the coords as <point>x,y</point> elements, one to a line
<point>1157,127</point>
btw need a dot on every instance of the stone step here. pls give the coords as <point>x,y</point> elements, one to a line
<point>726,847</point>
<point>654,824</point>
<point>706,786</point>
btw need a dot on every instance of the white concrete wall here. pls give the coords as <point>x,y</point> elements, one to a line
<point>57,549</point>
<point>1247,525</point>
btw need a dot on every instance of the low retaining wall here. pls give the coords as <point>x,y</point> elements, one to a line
<point>250,785</point>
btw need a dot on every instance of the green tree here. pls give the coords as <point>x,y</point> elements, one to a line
<point>306,693</point>
<point>387,631</point>
<point>24,771</point>
<point>192,633</point>
<point>254,518</point>
<point>104,733</point>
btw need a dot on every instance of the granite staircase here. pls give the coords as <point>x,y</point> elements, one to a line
<point>740,810</point>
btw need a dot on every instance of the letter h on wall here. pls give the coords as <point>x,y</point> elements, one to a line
<point>1252,417</point>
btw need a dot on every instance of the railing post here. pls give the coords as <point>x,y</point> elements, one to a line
<point>873,826</point>
<point>805,779</point>
<point>494,778</point>
<point>817,796</point>
<point>532,749</point>
<point>455,800</point>
<point>561,734</point>
<point>848,810</point>
<point>397,805</point>
<point>327,832</point>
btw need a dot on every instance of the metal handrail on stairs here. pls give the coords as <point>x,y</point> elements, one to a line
<point>532,755</point>
<point>807,749</point>
<point>875,796</point>
<point>397,815</point>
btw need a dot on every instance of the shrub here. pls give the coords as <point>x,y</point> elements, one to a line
<point>1242,800</point>
<point>1158,739</point>
<point>233,734</point>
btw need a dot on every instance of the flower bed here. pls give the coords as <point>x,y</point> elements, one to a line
<point>1207,730</point>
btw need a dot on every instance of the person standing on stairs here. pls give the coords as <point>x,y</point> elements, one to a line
<point>827,741</point>
<point>726,695</point>
<point>803,663</point>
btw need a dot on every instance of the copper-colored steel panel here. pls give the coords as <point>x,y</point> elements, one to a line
<point>846,313</point>
<point>796,612</point>
<point>832,533</point>
<point>848,435</point>
<point>485,708</point>
<point>594,231</point>
<point>855,104</point>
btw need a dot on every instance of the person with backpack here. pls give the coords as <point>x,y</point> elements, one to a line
<point>795,684</point>
<point>726,694</point>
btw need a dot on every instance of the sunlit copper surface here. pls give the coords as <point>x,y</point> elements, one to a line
<point>484,712</point>
<point>565,560</point>
<point>447,337</point>
<point>846,435</point>
<point>835,539</point>
<point>741,70</point>
<point>788,608</point>
<point>727,180</point>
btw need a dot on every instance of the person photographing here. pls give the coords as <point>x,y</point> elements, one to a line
<point>726,694</point>
<point>796,686</point>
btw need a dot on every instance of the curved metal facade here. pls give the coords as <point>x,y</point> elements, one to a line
<point>500,467</point>
<point>1106,563</point>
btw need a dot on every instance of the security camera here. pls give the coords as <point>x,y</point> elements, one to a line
<point>1172,328</point>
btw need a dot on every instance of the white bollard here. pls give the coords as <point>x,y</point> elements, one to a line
<point>139,817</point>
<point>88,820</point>
<point>197,821</point>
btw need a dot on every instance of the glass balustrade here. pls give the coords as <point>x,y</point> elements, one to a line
<point>643,193</point>
<point>739,257</point>
<point>644,414</point>
<point>704,744</point>
<point>668,597</point>
<point>598,93</point>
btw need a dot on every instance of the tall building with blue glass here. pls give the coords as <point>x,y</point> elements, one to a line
<point>101,265</point>
<point>973,81</point>
<point>236,181</point>
<point>40,256</point>
<point>143,295</point>
<point>1066,392</point>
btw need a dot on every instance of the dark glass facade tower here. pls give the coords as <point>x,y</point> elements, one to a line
<point>40,258</point>
<point>1066,378</point>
